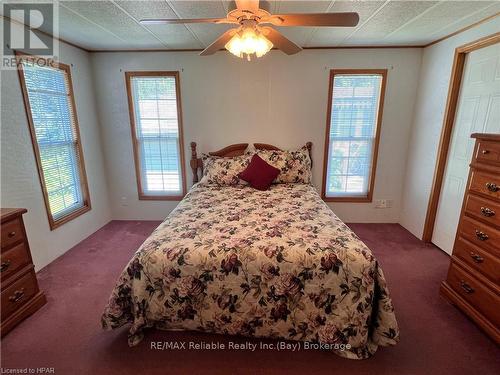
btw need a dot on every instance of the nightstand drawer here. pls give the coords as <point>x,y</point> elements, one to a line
<point>482,235</point>
<point>478,259</point>
<point>12,232</point>
<point>484,209</point>
<point>20,295</point>
<point>17,294</point>
<point>12,260</point>
<point>475,292</point>
<point>485,183</point>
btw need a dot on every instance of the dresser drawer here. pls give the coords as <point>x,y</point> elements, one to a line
<point>478,295</point>
<point>485,183</point>
<point>486,263</point>
<point>482,235</point>
<point>488,152</point>
<point>483,208</point>
<point>13,259</point>
<point>17,294</point>
<point>12,232</point>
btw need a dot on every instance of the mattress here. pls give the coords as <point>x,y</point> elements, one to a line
<point>275,264</point>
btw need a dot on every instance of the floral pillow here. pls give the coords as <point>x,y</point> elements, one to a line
<point>295,166</point>
<point>224,171</point>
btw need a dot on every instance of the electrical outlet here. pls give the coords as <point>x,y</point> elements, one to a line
<point>381,203</point>
<point>124,201</point>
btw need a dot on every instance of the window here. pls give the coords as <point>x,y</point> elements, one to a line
<point>51,111</point>
<point>354,115</point>
<point>155,117</point>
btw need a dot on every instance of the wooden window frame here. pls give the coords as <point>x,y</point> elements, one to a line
<point>135,142</point>
<point>371,183</point>
<point>55,223</point>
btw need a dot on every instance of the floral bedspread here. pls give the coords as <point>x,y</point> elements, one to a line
<point>274,263</point>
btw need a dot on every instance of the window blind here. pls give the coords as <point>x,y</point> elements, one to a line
<point>54,123</point>
<point>157,134</point>
<point>353,126</point>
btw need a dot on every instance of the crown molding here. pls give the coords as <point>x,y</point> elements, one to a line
<point>47,34</point>
<point>462,29</point>
<point>274,49</point>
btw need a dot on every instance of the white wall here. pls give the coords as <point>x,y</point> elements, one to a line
<point>20,185</point>
<point>435,73</point>
<point>278,99</point>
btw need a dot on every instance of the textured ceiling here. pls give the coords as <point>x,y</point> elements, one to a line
<point>97,25</point>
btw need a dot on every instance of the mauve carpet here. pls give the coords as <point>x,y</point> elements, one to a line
<point>66,335</point>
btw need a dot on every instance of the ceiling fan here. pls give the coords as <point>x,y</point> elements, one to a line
<point>251,37</point>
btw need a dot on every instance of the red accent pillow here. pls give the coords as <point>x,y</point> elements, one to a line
<point>259,174</point>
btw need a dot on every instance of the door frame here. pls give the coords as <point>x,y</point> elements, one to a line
<point>448,124</point>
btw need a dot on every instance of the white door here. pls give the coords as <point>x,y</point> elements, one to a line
<point>478,112</point>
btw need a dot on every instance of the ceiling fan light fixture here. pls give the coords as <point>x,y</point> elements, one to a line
<point>247,43</point>
<point>250,38</point>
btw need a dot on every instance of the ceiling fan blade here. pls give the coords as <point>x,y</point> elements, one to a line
<point>219,43</point>
<point>314,19</point>
<point>280,42</point>
<point>251,5</point>
<point>165,21</point>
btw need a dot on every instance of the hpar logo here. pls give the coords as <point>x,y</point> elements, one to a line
<point>29,28</point>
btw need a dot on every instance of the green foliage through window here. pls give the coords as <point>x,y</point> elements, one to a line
<point>353,122</point>
<point>157,133</point>
<point>54,125</point>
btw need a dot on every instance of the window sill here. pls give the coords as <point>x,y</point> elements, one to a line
<point>143,197</point>
<point>362,199</point>
<point>54,224</point>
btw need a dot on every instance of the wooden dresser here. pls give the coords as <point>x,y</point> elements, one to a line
<point>473,282</point>
<point>20,294</point>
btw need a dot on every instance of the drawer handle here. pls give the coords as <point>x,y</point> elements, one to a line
<point>476,258</point>
<point>5,265</point>
<point>485,152</point>
<point>488,212</point>
<point>481,236</point>
<point>17,296</point>
<point>468,289</point>
<point>492,187</point>
<point>11,234</point>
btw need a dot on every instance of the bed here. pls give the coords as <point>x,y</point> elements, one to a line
<point>239,261</point>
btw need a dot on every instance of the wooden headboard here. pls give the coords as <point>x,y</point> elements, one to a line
<point>232,150</point>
